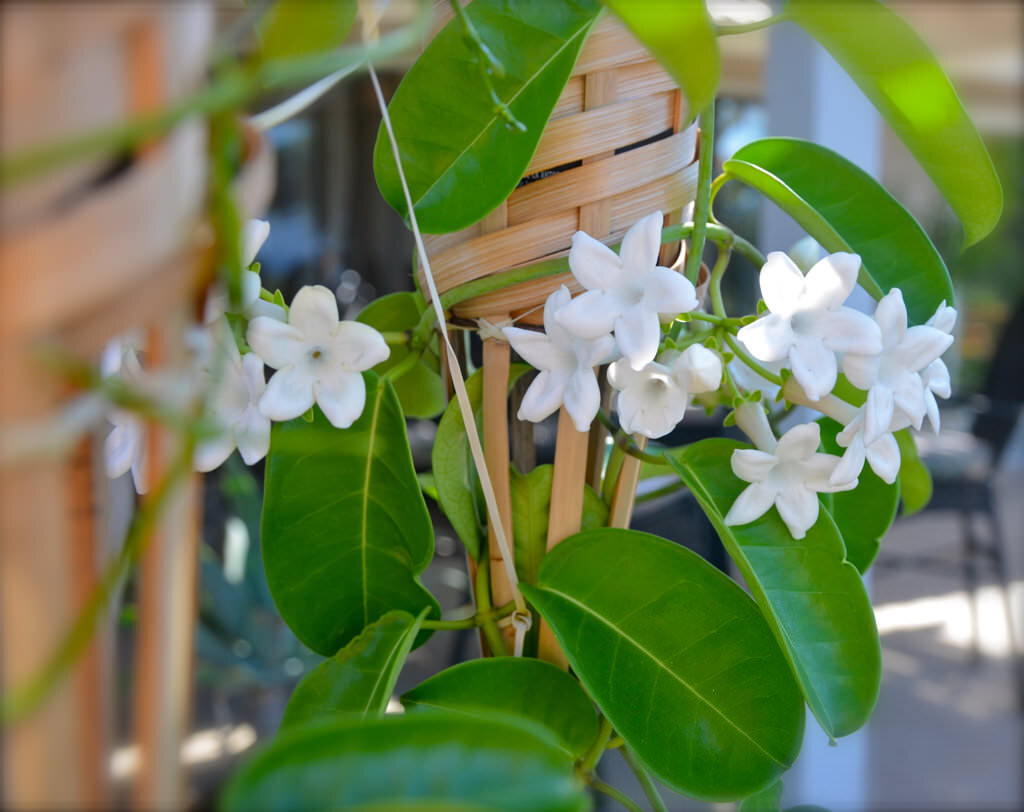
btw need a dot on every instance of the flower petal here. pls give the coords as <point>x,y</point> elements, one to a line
<point>844,330</point>
<point>891,318</point>
<point>538,350</point>
<point>878,412</point>
<point>314,313</point>
<point>591,314</point>
<point>668,292</point>
<point>341,396</point>
<point>944,318</point>
<point>799,443</point>
<point>638,333</point>
<point>884,458</point>
<point>582,398</point>
<point>830,281</point>
<point>278,344</point>
<point>255,234</point>
<point>770,338</point>
<point>121,447</point>
<point>698,369</point>
<point>289,393</point>
<point>640,246</point>
<point>813,365</point>
<point>798,508</point>
<point>543,396</point>
<point>252,432</point>
<point>908,394</point>
<point>754,501</point>
<point>921,346</point>
<point>752,465</point>
<point>594,264</point>
<point>851,463</point>
<point>357,346</point>
<point>211,453</point>
<point>862,370</point>
<point>782,284</point>
<point>935,377</point>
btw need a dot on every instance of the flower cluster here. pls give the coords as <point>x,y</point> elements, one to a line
<point>618,318</point>
<point>317,357</point>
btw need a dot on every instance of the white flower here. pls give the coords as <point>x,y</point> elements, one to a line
<point>125,447</point>
<point>626,292</point>
<point>882,453</point>
<point>217,303</point>
<point>891,377</point>
<point>935,376</point>
<point>236,385</point>
<point>317,357</point>
<point>566,363</point>
<point>807,324</point>
<point>790,478</point>
<point>653,401</point>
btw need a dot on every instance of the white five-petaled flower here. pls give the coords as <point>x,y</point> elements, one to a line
<point>807,323</point>
<point>935,376</point>
<point>653,400</point>
<point>236,385</point>
<point>317,357</point>
<point>255,234</point>
<point>789,476</point>
<point>125,447</point>
<point>566,363</point>
<point>891,377</point>
<point>626,292</point>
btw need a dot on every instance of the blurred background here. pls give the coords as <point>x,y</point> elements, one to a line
<point>948,586</point>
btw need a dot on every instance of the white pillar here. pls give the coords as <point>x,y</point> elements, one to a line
<point>808,95</point>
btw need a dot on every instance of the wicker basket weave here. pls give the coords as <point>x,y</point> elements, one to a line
<point>612,153</point>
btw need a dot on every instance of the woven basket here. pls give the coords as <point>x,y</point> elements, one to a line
<point>612,153</point>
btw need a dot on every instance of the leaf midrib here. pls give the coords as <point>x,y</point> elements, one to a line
<point>663,667</point>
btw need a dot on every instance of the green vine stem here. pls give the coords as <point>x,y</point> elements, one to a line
<point>484,609</point>
<point>747,359</point>
<point>589,760</point>
<point>702,205</point>
<point>646,784</point>
<point>613,793</point>
<point>473,621</point>
<point>744,28</point>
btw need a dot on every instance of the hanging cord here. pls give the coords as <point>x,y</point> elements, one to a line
<point>521,618</point>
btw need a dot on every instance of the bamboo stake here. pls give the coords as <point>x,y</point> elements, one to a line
<point>496,360</point>
<point>624,496</point>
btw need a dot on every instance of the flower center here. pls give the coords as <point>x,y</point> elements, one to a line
<point>317,355</point>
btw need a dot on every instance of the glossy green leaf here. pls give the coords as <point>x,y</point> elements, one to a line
<point>865,514</point>
<point>294,28</point>
<point>358,679</point>
<point>416,761</point>
<point>454,473</point>
<point>767,800</point>
<point>523,687</point>
<point>813,599</point>
<point>682,38</point>
<point>531,506</point>
<point>845,209</point>
<point>420,390</point>
<point>899,74</point>
<point>460,157</point>
<point>677,657</point>
<point>345,528</point>
<point>914,478</point>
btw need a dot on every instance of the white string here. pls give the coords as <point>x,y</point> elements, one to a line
<point>460,389</point>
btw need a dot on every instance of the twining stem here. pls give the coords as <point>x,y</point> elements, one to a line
<point>702,205</point>
<point>473,621</point>
<point>746,358</point>
<point>611,792</point>
<point>403,366</point>
<point>646,784</point>
<point>756,25</point>
<point>488,623</point>
<point>593,755</point>
<point>724,255</point>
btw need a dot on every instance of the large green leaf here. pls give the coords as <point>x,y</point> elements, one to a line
<point>420,389</point>
<point>899,74</point>
<point>345,528</point>
<point>460,157</point>
<point>417,761</point>
<point>865,514</point>
<point>845,209</point>
<point>915,479</point>
<point>458,489</point>
<point>813,599</point>
<point>519,686</point>
<point>295,28</point>
<point>682,38</point>
<point>358,679</point>
<point>678,658</point>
